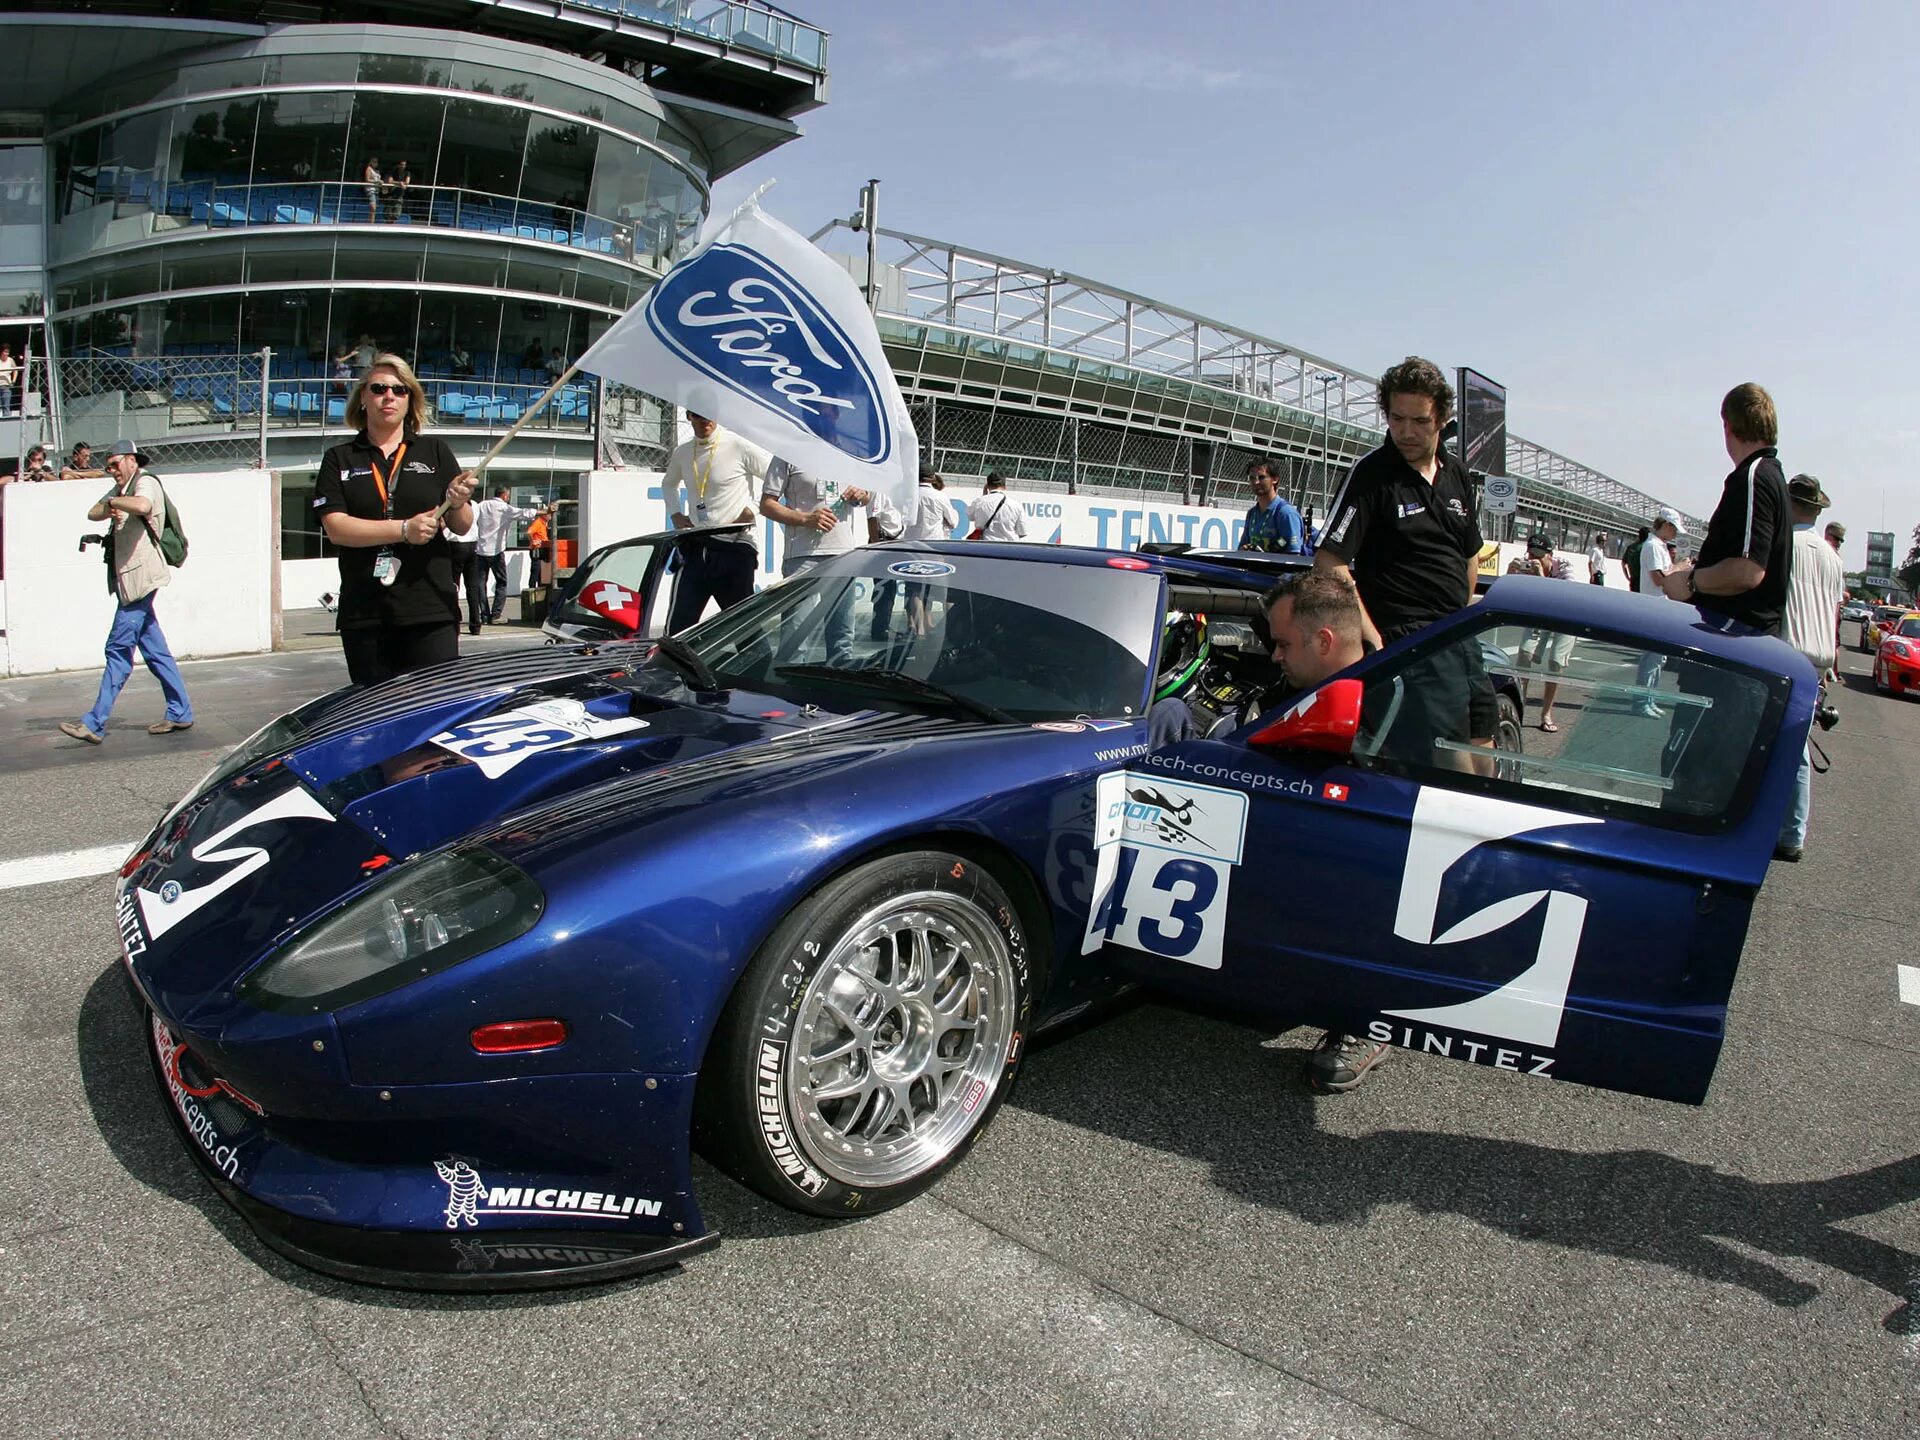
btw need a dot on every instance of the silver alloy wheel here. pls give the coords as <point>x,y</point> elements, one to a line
<point>900,1038</point>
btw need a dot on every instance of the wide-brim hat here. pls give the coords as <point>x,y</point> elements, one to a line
<point>1806,489</point>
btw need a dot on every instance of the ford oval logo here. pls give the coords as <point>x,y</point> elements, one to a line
<point>920,569</point>
<point>170,891</point>
<point>739,318</point>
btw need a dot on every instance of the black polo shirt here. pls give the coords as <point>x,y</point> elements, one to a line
<point>1752,519</point>
<point>1406,541</point>
<point>422,593</point>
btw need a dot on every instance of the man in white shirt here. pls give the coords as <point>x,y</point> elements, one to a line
<point>713,479</point>
<point>493,522</point>
<point>1813,619</point>
<point>996,515</point>
<point>1597,561</point>
<point>933,519</point>
<point>822,520</point>
<point>1656,558</point>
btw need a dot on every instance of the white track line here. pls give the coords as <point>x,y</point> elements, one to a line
<point>67,865</point>
<point>1909,983</point>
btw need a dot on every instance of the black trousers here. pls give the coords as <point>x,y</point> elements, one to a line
<point>710,570</point>
<point>382,652</point>
<point>471,577</point>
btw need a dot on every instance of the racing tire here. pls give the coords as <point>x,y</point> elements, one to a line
<point>872,1037</point>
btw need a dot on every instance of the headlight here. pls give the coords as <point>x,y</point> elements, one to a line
<point>1895,647</point>
<point>438,912</point>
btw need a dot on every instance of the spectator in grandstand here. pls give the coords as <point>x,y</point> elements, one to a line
<point>493,528</point>
<point>459,361</point>
<point>933,518</point>
<point>35,466</point>
<point>821,521</point>
<point>136,505</point>
<point>713,479</point>
<point>534,357</point>
<point>364,351</point>
<point>1597,561</point>
<point>1813,618</point>
<point>996,515</point>
<point>80,464</point>
<point>9,378</point>
<point>556,362</point>
<point>377,496</point>
<point>342,378</point>
<point>1836,535</point>
<point>1272,521</point>
<point>374,183</point>
<point>397,185</point>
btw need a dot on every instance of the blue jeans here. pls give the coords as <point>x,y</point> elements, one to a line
<point>135,626</point>
<point>1794,832</point>
<point>839,619</point>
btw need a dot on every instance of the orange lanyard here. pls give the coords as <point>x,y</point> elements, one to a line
<point>380,481</point>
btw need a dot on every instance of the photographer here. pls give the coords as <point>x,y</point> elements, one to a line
<point>1813,618</point>
<point>136,571</point>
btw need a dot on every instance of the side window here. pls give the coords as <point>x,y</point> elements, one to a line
<point>1654,735</point>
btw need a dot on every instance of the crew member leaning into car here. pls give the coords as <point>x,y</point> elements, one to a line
<point>375,495</point>
<point>1317,624</point>
<point>1403,530</point>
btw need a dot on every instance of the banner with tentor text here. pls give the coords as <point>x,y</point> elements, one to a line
<point>759,330</point>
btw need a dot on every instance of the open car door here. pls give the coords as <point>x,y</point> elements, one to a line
<point>1575,912</point>
<point>622,591</point>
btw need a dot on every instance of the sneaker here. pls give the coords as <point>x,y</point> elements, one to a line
<point>1342,1061</point>
<point>1652,712</point>
<point>1782,851</point>
<point>80,732</point>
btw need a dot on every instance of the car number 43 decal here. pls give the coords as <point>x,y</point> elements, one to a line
<point>1165,853</point>
<point>500,742</point>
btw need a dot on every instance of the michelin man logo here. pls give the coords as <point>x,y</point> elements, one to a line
<point>464,1189</point>
<point>1446,827</point>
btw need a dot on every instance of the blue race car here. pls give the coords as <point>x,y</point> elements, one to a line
<point>447,978</point>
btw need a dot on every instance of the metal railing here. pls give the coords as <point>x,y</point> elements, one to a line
<point>741,24</point>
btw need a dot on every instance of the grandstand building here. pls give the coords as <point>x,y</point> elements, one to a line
<point>203,206</point>
<point>1061,383</point>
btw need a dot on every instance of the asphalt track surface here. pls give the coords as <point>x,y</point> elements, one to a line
<point>1162,1235</point>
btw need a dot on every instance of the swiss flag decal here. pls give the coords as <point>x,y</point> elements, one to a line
<point>616,602</point>
<point>1334,792</point>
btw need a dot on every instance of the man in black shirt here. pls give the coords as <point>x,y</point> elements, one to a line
<point>1746,558</point>
<point>1403,531</point>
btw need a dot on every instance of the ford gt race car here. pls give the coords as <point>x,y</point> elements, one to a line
<point>447,978</point>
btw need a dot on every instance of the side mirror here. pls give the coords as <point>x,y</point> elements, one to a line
<point>1325,720</point>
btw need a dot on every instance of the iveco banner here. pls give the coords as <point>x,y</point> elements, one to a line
<point>760,331</point>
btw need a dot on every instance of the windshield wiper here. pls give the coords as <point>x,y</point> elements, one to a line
<point>680,655</point>
<point>897,680</point>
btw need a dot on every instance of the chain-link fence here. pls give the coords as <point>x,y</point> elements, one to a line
<point>635,431</point>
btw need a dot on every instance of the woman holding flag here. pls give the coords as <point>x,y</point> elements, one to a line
<point>381,498</point>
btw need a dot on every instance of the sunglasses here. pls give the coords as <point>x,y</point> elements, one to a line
<point>380,387</point>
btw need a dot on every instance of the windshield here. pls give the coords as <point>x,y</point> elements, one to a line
<point>946,633</point>
<point>1909,628</point>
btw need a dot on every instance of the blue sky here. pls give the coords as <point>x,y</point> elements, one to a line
<point>1618,211</point>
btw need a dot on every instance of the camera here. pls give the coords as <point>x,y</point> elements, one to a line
<point>86,540</point>
<point>1824,714</point>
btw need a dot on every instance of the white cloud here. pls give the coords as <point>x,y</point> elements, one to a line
<point>1078,60</point>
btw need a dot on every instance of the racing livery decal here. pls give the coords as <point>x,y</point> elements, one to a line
<point>470,1199</point>
<point>499,742</point>
<point>1447,826</point>
<point>222,1153</point>
<point>1164,855</point>
<point>773,1120</point>
<point>167,907</point>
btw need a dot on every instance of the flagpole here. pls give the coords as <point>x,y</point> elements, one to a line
<point>501,444</point>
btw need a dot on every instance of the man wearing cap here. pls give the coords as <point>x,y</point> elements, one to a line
<point>1836,535</point>
<point>1813,618</point>
<point>137,506</point>
<point>1656,558</point>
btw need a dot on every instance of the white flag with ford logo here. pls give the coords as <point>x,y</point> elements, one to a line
<point>762,332</point>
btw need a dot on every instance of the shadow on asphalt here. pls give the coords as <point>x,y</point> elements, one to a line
<point>1260,1137</point>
